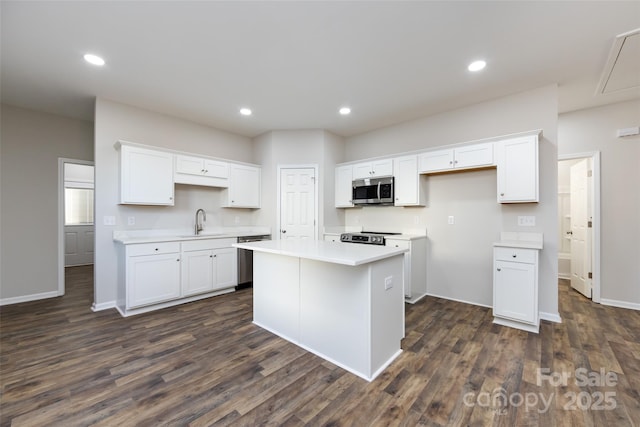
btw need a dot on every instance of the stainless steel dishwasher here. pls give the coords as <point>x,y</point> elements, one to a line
<point>245,260</point>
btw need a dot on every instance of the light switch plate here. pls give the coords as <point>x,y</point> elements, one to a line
<point>451,220</point>
<point>131,220</point>
<point>109,220</point>
<point>388,282</point>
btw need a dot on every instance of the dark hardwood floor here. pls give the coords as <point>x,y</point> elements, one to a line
<point>205,363</point>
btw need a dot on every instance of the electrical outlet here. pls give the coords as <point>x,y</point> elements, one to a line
<point>451,220</point>
<point>527,221</point>
<point>388,282</point>
<point>416,220</point>
<point>131,220</point>
<point>109,220</point>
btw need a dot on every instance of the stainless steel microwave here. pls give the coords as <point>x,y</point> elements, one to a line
<point>373,191</point>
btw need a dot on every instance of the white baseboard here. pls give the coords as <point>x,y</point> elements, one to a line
<point>103,306</point>
<point>564,276</point>
<point>620,304</point>
<point>27,298</point>
<point>459,300</point>
<point>551,317</point>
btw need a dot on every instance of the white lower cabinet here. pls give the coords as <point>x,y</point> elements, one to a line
<point>415,266</point>
<point>158,275</point>
<point>515,288</point>
<point>206,270</point>
<point>152,273</point>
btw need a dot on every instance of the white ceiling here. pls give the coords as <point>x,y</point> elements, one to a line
<point>296,63</point>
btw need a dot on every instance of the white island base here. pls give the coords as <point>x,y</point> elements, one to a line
<point>350,315</point>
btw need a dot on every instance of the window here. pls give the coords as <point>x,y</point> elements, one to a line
<point>78,206</point>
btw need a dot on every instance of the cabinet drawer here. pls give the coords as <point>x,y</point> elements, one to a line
<point>205,244</point>
<point>153,248</point>
<point>402,244</point>
<point>516,255</point>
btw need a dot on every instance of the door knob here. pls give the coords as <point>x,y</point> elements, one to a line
<point>283,231</point>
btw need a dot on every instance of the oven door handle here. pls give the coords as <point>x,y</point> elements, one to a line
<point>379,183</point>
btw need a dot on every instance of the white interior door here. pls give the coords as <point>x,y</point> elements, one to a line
<point>297,203</point>
<point>78,245</point>
<point>580,250</point>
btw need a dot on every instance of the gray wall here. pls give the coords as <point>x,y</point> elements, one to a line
<point>114,121</point>
<point>298,147</point>
<point>31,143</point>
<point>595,130</point>
<point>459,261</point>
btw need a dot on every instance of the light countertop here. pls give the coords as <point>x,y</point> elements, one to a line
<point>128,237</point>
<point>321,250</point>
<point>520,240</point>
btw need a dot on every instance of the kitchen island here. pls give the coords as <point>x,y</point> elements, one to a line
<point>342,302</point>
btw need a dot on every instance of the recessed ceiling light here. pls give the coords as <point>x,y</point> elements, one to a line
<point>477,65</point>
<point>345,110</point>
<point>245,111</point>
<point>94,59</point>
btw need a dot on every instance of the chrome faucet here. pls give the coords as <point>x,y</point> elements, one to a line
<point>198,228</point>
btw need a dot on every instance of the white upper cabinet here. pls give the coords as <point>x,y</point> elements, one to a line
<point>201,166</point>
<point>466,157</point>
<point>343,187</point>
<point>244,187</point>
<point>517,162</point>
<point>374,168</point>
<point>146,176</point>
<point>407,186</point>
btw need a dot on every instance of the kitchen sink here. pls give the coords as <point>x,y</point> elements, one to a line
<point>200,236</point>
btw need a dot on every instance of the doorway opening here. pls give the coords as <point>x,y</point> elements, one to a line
<point>579,222</point>
<point>76,227</point>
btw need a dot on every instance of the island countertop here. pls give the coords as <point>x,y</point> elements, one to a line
<point>321,250</point>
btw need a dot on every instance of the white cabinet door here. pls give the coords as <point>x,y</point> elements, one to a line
<point>517,162</point>
<point>226,268</point>
<point>514,291</point>
<point>362,170</point>
<point>197,272</point>
<point>375,168</point>
<point>383,167</point>
<point>146,176</point>
<point>407,185</point>
<point>244,187</point>
<point>472,156</point>
<point>434,161</point>
<point>216,169</point>
<point>189,165</point>
<point>344,187</point>
<point>415,266</point>
<point>152,279</point>
<point>466,157</point>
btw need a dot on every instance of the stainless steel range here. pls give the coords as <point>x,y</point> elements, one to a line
<point>366,237</point>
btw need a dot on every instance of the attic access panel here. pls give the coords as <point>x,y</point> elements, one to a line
<point>622,70</point>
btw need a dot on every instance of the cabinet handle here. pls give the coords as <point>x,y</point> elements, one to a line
<point>210,256</point>
<point>206,171</point>
<point>499,270</point>
<point>156,249</point>
<point>455,161</point>
<point>501,194</point>
<point>178,260</point>
<point>170,198</point>
<point>514,255</point>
